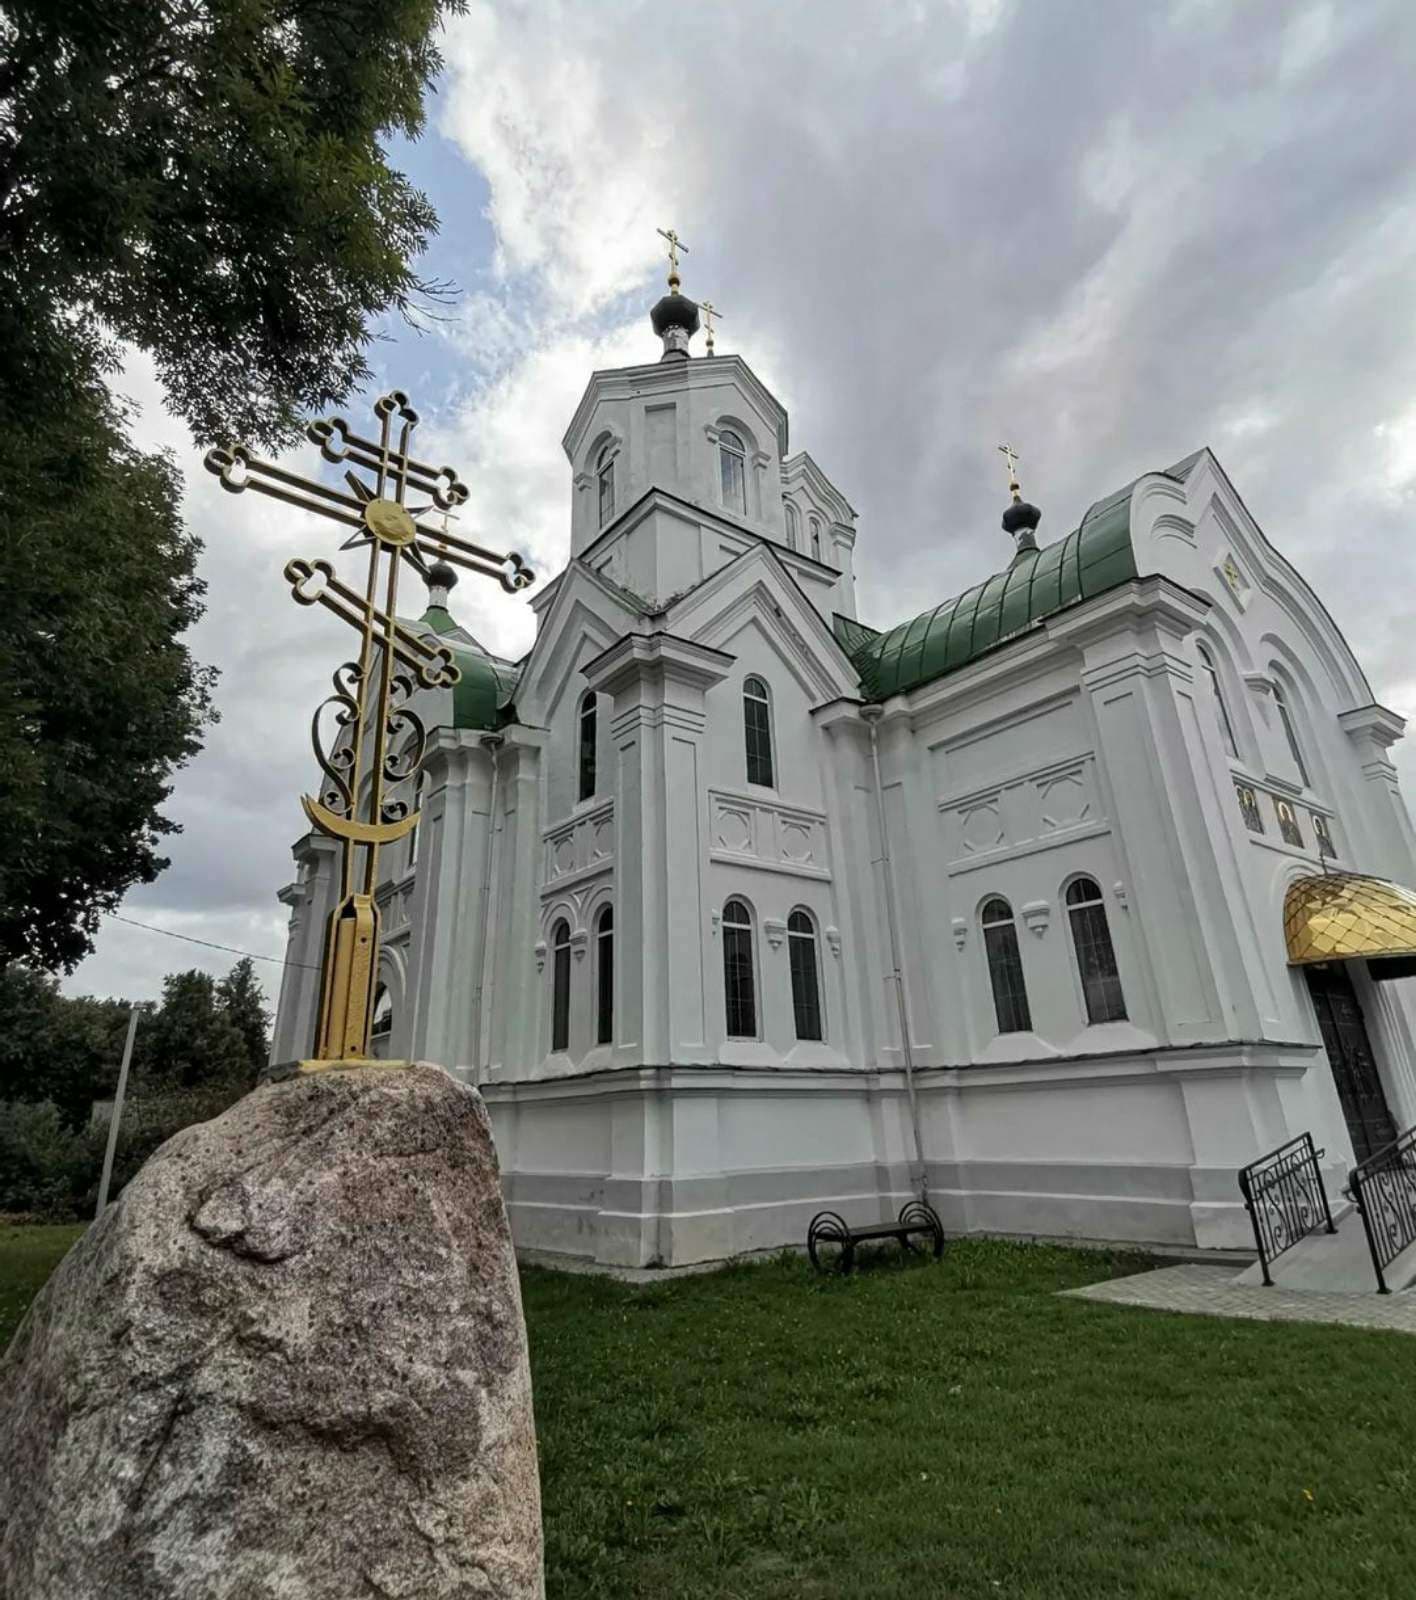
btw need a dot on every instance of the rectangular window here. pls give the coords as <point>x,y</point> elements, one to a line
<point>605,1028</point>
<point>738,976</point>
<point>1096,962</point>
<point>1005,968</point>
<point>757,726</point>
<point>734,482</point>
<point>806,992</point>
<point>560,1005</point>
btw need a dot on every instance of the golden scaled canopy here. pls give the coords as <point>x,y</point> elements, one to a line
<point>1344,915</point>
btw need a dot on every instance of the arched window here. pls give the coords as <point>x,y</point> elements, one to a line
<point>586,786</point>
<point>605,473</point>
<point>806,975</point>
<point>381,1023</point>
<point>732,463</point>
<point>739,973</point>
<point>1226,727</point>
<point>1005,968</point>
<point>793,526</point>
<point>757,731</point>
<point>1096,960</point>
<point>605,976</point>
<point>560,985</point>
<point>815,527</point>
<point>1285,716</point>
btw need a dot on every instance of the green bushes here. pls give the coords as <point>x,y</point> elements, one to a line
<point>51,1171</point>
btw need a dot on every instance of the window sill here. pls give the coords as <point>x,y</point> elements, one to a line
<point>1015,1047</point>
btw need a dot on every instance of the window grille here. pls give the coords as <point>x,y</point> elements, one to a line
<point>605,977</point>
<point>560,986</point>
<point>1226,727</point>
<point>1005,968</point>
<point>732,461</point>
<point>757,731</point>
<point>586,787</point>
<point>806,975</point>
<point>739,974</point>
<point>1096,958</point>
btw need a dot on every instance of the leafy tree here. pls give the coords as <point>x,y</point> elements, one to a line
<point>206,180</point>
<point>56,1049</point>
<point>192,1039</point>
<point>240,996</point>
<point>99,698</point>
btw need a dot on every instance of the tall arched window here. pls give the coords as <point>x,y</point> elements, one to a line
<point>1285,716</point>
<point>806,975</point>
<point>1226,727</point>
<point>739,972</point>
<point>560,985</point>
<point>381,1023</point>
<point>605,473</point>
<point>732,463</point>
<point>815,527</point>
<point>605,976</point>
<point>1005,967</point>
<point>586,785</point>
<point>1096,960</point>
<point>757,731</point>
<point>793,526</point>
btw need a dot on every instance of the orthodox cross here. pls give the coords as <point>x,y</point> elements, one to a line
<point>1011,456</point>
<point>378,743</point>
<point>709,311</point>
<point>675,245</point>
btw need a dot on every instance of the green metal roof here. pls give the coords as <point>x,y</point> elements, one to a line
<point>481,697</point>
<point>1038,583</point>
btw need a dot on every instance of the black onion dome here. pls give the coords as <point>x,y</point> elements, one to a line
<point>675,311</point>
<point>1021,515</point>
<point>441,576</point>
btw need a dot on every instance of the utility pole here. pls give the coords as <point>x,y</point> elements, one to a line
<point>117,1112</point>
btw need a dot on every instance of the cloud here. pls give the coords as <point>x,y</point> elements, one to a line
<point>1108,232</point>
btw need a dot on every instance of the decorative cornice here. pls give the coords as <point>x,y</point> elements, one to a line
<point>625,383</point>
<point>1383,727</point>
<point>639,656</point>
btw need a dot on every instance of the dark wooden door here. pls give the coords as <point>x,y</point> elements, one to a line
<point>1359,1085</point>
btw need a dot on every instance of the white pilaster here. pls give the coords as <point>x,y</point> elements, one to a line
<point>658,683</point>
<point>311,899</point>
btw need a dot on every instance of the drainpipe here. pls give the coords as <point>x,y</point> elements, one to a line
<point>872,715</point>
<point>492,742</point>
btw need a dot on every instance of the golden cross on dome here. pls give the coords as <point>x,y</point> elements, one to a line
<point>709,311</point>
<point>378,740</point>
<point>675,245</point>
<point>1011,456</point>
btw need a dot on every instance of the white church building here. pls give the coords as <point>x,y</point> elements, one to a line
<point>736,908</point>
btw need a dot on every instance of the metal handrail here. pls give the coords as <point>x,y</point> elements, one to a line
<point>1286,1198</point>
<point>1383,1187</point>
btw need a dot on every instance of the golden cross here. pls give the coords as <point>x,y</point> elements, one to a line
<point>675,245</point>
<point>709,311</point>
<point>1012,458</point>
<point>378,739</point>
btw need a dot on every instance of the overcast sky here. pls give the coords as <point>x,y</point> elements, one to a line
<point>1108,232</point>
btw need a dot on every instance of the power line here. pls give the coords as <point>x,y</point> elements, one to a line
<point>279,961</point>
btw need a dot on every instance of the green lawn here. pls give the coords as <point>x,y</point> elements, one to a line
<point>950,1432</point>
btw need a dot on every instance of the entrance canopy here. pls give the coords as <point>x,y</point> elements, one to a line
<point>1343,916</point>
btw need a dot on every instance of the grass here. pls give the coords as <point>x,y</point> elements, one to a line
<point>27,1256</point>
<point>950,1432</point>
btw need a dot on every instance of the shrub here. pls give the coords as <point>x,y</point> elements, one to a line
<point>51,1171</point>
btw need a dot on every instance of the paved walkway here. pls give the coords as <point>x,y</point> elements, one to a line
<point>1212,1292</point>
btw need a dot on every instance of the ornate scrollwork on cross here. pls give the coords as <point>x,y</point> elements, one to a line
<point>368,740</point>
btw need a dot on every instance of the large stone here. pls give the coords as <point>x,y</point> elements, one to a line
<point>288,1364</point>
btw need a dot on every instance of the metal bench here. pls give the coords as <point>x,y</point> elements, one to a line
<point>831,1243</point>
